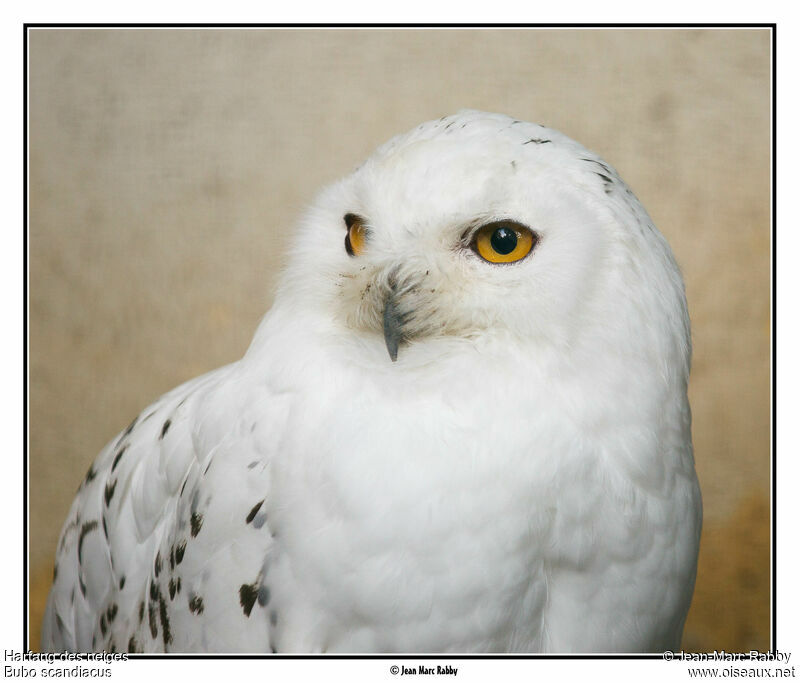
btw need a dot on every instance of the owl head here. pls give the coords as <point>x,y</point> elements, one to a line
<point>480,231</point>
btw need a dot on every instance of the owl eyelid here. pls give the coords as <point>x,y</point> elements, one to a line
<point>469,235</point>
<point>351,218</point>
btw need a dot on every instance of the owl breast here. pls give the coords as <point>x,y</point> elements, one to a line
<point>417,517</point>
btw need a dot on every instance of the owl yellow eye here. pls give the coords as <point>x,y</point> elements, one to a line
<point>356,239</point>
<point>503,242</point>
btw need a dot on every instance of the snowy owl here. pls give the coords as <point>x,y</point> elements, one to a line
<point>462,427</point>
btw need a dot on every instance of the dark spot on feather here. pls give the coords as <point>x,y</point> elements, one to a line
<point>178,585</point>
<point>172,558</point>
<point>91,474</point>
<point>157,564</point>
<point>55,571</point>
<point>141,611</point>
<point>273,617</point>
<point>605,175</point>
<point>248,592</point>
<point>133,646</point>
<point>117,457</point>
<point>205,471</point>
<point>179,552</point>
<point>111,612</point>
<point>172,588</point>
<point>112,647</point>
<point>196,604</point>
<point>183,486</point>
<point>109,492</point>
<point>154,591</point>
<point>121,582</point>
<point>537,141</point>
<point>82,586</point>
<point>129,428</point>
<point>165,630</point>
<point>263,595</point>
<point>197,523</point>
<point>165,428</point>
<point>600,164</point>
<point>103,627</point>
<point>251,465</point>
<point>85,529</point>
<point>607,182</point>
<point>253,511</point>
<point>151,615</point>
<point>72,596</point>
<point>72,525</point>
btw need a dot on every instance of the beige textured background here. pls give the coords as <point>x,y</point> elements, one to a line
<point>167,168</point>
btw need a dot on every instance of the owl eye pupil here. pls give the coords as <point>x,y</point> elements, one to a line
<point>504,240</point>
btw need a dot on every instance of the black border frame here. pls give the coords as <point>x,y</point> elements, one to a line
<point>25,370</point>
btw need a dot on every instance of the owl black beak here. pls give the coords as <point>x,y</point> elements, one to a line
<point>393,320</point>
<point>397,314</point>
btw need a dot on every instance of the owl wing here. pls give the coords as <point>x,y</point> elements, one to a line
<point>166,541</point>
